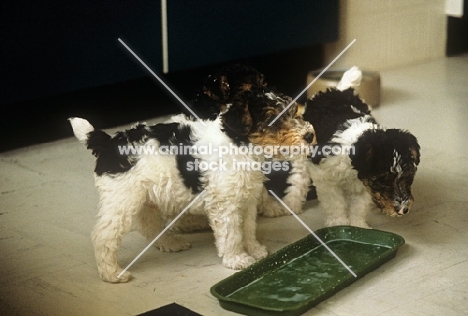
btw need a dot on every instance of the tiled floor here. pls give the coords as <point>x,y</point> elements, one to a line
<point>48,203</point>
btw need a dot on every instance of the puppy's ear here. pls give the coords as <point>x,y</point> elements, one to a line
<point>237,119</point>
<point>415,155</point>
<point>300,110</point>
<point>414,148</point>
<point>362,158</point>
<point>408,141</point>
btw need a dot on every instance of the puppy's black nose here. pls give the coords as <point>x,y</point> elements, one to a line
<point>309,137</point>
<point>403,210</point>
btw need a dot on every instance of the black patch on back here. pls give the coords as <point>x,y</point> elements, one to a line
<point>191,178</point>
<point>328,111</point>
<point>165,133</point>
<point>176,134</point>
<point>137,134</point>
<point>106,150</point>
<point>111,161</point>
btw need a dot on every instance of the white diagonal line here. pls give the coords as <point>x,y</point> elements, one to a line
<point>313,81</point>
<point>160,80</point>
<point>315,235</point>
<point>161,233</point>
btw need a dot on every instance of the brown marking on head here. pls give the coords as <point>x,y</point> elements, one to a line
<point>391,191</point>
<point>388,202</point>
<point>415,155</point>
<point>288,130</point>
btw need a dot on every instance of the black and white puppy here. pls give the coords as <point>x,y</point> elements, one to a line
<point>147,175</point>
<point>357,164</point>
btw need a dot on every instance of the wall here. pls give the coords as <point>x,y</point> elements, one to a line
<point>389,33</point>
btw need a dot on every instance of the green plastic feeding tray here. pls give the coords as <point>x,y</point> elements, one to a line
<point>305,273</point>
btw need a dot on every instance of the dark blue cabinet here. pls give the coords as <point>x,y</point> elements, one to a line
<point>209,32</point>
<point>53,47</point>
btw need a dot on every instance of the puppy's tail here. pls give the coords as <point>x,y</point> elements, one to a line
<point>81,128</point>
<point>96,140</point>
<point>351,78</point>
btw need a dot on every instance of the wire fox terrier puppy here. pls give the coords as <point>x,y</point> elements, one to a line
<point>166,166</point>
<point>219,89</point>
<point>358,164</point>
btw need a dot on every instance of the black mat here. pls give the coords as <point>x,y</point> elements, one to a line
<point>173,309</point>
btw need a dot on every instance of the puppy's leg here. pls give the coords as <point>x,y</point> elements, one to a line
<point>150,224</point>
<point>251,244</point>
<point>360,205</point>
<point>114,222</point>
<point>295,198</point>
<point>300,182</point>
<point>333,202</point>
<point>226,222</point>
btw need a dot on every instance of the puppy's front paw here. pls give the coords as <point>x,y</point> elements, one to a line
<point>114,277</point>
<point>258,251</point>
<point>338,221</point>
<point>238,262</point>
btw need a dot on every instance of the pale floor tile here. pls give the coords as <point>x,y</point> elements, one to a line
<point>48,204</point>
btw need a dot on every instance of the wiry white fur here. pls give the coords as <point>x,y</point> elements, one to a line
<point>342,196</point>
<point>152,192</point>
<point>396,168</point>
<point>81,128</point>
<point>353,130</point>
<point>351,78</point>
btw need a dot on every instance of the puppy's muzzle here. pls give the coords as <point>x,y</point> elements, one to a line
<point>402,208</point>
